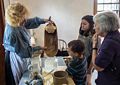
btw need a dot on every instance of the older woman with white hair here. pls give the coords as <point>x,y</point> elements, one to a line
<point>106,59</point>
<point>17,41</point>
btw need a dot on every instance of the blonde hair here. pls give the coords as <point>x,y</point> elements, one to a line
<point>15,14</point>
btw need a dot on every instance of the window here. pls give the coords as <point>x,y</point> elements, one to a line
<point>101,5</point>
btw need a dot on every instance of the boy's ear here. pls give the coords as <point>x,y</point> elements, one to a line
<point>77,54</point>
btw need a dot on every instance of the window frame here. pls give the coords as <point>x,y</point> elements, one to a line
<point>96,6</point>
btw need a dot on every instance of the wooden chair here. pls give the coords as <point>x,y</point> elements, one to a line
<point>62,48</point>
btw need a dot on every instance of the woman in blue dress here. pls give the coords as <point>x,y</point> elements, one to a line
<point>17,41</point>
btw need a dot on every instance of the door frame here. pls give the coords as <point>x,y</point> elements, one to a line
<point>2,51</point>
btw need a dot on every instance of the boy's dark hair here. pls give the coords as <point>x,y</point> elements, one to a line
<point>76,46</point>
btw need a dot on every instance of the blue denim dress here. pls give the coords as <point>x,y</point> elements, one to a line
<point>17,48</point>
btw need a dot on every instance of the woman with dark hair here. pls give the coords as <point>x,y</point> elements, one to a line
<point>86,32</point>
<point>86,26</point>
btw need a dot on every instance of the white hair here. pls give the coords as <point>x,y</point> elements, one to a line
<point>107,20</point>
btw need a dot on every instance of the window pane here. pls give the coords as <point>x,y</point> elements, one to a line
<point>100,7</point>
<point>115,6</point>
<point>107,1</point>
<point>114,11</point>
<point>100,1</point>
<point>108,7</point>
<point>115,1</point>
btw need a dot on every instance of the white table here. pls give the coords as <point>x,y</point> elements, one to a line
<point>60,65</point>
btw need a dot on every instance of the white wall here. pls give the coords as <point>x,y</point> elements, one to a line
<point>65,13</point>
